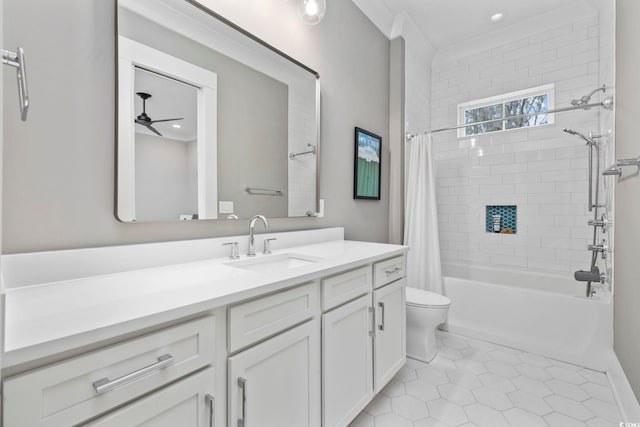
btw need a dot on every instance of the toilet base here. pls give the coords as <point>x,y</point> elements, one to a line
<point>422,346</point>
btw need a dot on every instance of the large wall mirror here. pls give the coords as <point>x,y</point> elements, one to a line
<point>212,122</point>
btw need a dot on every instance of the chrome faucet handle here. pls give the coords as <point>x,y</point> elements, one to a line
<point>267,245</point>
<point>234,249</point>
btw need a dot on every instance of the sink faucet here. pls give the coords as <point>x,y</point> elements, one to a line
<point>252,223</point>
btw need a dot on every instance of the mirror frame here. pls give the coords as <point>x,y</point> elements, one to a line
<point>253,38</point>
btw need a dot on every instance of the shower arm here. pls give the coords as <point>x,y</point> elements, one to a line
<point>606,104</point>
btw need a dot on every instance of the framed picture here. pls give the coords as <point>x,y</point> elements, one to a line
<point>367,165</point>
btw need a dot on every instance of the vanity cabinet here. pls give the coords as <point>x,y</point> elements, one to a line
<point>277,382</point>
<point>85,387</point>
<point>347,361</point>
<point>300,353</point>
<point>363,340</point>
<point>390,332</point>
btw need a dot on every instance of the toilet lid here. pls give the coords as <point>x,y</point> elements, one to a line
<point>423,298</point>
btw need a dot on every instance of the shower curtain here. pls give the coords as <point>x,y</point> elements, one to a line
<point>421,217</point>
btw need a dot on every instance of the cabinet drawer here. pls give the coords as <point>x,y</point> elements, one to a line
<point>255,320</point>
<point>187,403</point>
<point>344,287</point>
<point>79,388</point>
<point>388,270</point>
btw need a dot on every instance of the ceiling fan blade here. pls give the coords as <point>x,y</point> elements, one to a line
<point>152,129</point>
<point>166,120</point>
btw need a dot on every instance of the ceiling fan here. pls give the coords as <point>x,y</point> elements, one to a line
<point>146,121</point>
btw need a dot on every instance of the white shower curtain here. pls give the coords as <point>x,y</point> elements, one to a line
<point>421,217</point>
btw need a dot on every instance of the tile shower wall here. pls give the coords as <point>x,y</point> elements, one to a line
<point>542,171</point>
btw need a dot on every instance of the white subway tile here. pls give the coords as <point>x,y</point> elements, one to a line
<point>567,73</point>
<point>546,187</point>
<point>476,256</point>
<point>562,209</point>
<point>540,253</point>
<point>526,62</point>
<point>508,199</point>
<point>498,249</point>
<point>518,147</point>
<point>548,165</point>
<point>511,261</point>
<point>521,178</point>
<point>578,47</point>
<point>558,198</point>
<point>566,39</point>
<point>561,63</point>
<point>501,159</point>
<point>515,168</point>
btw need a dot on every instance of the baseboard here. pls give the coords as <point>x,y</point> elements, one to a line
<point>625,398</point>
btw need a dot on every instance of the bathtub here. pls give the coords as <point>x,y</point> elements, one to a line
<point>527,315</point>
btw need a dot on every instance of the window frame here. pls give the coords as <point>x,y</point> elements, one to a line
<point>548,89</point>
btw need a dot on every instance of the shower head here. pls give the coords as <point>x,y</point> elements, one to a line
<point>587,98</point>
<point>589,141</point>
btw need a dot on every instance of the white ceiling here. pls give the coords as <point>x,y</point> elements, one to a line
<point>448,22</point>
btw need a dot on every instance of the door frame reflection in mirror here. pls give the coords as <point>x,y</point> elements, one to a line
<point>132,55</point>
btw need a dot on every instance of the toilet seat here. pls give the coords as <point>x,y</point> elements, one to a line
<point>423,298</point>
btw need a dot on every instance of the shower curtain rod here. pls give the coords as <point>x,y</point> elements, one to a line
<point>607,104</point>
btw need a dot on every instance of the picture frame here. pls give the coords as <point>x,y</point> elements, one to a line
<point>367,167</point>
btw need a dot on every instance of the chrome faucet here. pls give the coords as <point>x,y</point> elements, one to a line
<point>252,223</point>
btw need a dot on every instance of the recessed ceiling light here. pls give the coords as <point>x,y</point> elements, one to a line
<point>497,17</point>
<point>177,126</point>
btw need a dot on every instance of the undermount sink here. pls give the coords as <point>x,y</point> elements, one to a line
<point>274,263</point>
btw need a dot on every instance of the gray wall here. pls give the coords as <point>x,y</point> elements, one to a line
<point>59,166</point>
<point>164,182</point>
<point>627,211</point>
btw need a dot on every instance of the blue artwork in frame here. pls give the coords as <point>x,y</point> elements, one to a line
<point>367,165</point>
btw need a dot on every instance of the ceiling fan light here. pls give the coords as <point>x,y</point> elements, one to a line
<point>312,11</point>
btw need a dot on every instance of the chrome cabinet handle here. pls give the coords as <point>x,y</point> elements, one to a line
<point>105,384</point>
<point>394,271</point>
<point>381,325</point>
<point>210,400</point>
<point>16,60</point>
<point>242,383</point>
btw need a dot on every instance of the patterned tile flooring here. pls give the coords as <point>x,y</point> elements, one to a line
<point>476,383</point>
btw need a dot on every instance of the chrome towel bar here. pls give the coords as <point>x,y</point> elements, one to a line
<point>312,151</point>
<point>263,191</point>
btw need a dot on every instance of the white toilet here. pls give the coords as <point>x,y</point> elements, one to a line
<point>425,311</point>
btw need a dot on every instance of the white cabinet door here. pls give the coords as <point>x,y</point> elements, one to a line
<point>347,361</point>
<point>277,382</point>
<point>390,337</point>
<point>185,404</point>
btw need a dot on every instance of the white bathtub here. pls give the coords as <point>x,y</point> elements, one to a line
<point>558,325</point>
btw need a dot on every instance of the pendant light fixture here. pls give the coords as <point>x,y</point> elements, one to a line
<point>312,11</point>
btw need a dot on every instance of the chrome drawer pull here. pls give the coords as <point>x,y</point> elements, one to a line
<point>381,325</point>
<point>394,271</point>
<point>104,385</point>
<point>242,383</point>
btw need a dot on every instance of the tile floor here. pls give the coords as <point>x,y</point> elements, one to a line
<point>476,383</point>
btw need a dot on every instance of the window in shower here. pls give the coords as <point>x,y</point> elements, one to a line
<point>513,110</point>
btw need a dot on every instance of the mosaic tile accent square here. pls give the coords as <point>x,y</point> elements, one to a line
<point>508,220</point>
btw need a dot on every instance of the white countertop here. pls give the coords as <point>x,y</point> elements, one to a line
<point>49,318</point>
